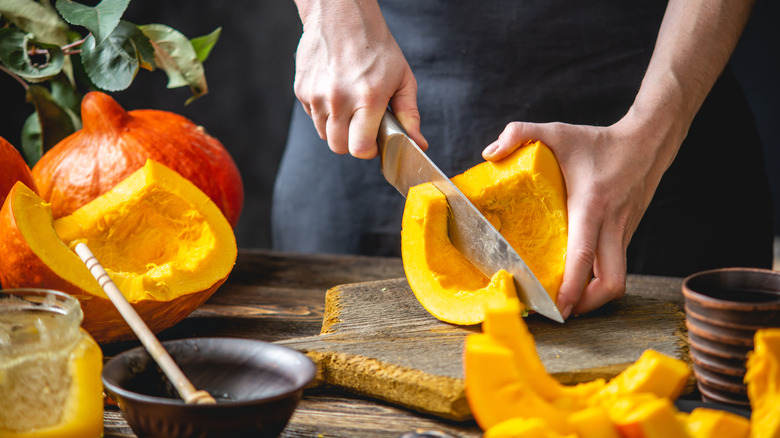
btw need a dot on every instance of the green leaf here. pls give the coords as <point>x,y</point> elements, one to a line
<point>100,20</point>
<point>39,19</point>
<point>68,98</point>
<point>15,47</point>
<point>113,64</point>
<point>55,122</point>
<point>205,43</point>
<point>32,142</point>
<point>176,56</point>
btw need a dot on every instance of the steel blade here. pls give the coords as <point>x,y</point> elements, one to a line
<point>405,165</point>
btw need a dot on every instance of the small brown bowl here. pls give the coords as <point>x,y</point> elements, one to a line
<point>724,308</point>
<point>257,386</point>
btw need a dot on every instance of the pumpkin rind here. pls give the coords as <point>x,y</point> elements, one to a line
<point>164,282</point>
<point>114,143</point>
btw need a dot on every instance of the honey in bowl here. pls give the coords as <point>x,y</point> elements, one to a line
<point>49,368</point>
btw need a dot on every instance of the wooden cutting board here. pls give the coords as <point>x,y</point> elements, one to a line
<point>377,340</point>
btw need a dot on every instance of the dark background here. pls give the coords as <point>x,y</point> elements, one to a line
<point>250,76</point>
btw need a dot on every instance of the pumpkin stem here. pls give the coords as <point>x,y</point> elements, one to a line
<point>101,113</point>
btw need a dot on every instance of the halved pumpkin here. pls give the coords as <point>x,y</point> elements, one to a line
<point>163,241</point>
<point>524,196</point>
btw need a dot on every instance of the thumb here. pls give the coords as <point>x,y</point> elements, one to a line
<point>404,106</point>
<point>516,134</point>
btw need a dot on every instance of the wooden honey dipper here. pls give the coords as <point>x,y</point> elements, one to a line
<point>186,390</point>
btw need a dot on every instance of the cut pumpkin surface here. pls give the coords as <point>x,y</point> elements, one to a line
<point>523,196</point>
<point>506,384</point>
<point>164,243</point>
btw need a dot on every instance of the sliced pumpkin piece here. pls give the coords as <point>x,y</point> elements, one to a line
<point>653,373</point>
<point>763,383</point>
<point>163,241</point>
<point>524,196</point>
<point>524,428</point>
<point>495,390</point>
<point>445,283</point>
<point>715,423</point>
<point>593,422</point>
<point>652,419</point>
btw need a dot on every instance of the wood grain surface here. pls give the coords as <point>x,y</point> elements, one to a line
<point>275,296</point>
<point>379,341</point>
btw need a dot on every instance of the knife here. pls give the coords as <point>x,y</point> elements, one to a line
<point>405,165</point>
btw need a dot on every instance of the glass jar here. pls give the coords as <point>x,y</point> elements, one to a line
<point>49,367</point>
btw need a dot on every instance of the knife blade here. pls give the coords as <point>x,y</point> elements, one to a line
<point>405,165</point>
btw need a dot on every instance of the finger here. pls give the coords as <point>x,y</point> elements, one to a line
<point>404,106</point>
<point>514,135</point>
<point>337,130</point>
<point>609,270</point>
<point>363,129</point>
<point>580,256</point>
<point>319,115</point>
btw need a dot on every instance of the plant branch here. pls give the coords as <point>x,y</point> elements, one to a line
<point>13,75</point>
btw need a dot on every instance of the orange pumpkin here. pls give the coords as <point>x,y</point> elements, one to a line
<point>13,168</point>
<point>115,143</point>
<point>163,242</point>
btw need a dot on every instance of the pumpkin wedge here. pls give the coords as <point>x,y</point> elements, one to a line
<point>763,383</point>
<point>164,243</point>
<point>524,196</point>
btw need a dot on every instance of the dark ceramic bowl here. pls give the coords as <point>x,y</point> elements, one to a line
<point>257,386</point>
<point>724,308</point>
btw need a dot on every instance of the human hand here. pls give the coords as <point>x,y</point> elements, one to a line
<point>348,69</point>
<point>611,174</point>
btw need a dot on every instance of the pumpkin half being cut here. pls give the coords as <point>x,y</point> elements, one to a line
<point>523,196</point>
<point>164,243</point>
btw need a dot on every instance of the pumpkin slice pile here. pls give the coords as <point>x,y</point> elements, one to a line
<point>523,196</point>
<point>165,244</point>
<point>511,395</point>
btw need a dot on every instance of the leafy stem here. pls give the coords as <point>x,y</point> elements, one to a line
<point>16,77</point>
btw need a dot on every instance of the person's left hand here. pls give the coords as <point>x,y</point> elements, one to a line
<point>611,174</point>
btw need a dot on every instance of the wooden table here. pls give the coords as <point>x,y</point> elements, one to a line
<point>274,296</point>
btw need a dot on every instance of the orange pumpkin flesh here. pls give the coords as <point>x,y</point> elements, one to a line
<point>524,196</point>
<point>443,280</point>
<point>763,383</point>
<point>506,381</point>
<point>114,143</point>
<point>13,168</point>
<point>164,243</point>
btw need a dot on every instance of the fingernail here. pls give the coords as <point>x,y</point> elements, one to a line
<point>491,148</point>
<point>567,311</point>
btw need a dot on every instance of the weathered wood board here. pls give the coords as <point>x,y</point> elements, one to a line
<point>377,340</point>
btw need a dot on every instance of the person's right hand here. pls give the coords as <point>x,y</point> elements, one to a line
<point>348,69</point>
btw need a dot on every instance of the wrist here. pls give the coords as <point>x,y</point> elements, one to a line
<point>660,117</point>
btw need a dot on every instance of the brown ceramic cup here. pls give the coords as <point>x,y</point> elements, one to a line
<point>724,308</point>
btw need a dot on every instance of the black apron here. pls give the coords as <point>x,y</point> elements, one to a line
<point>481,65</point>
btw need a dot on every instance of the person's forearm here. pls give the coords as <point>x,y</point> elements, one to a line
<point>694,44</point>
<point>340,12</point>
